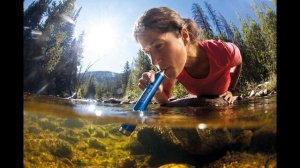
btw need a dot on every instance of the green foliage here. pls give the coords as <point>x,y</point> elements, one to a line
<point>272,82</point>
<point>260,47</point>
<point>142,64</point>
<point>179,91</point>
<point>125,76</point>
<point>257,42</point>
<point>51,59</point>
<point>35,12</point>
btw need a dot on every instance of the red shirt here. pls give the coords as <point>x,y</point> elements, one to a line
<point>221,56</point>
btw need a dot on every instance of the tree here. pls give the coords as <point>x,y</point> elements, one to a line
<point>91,88</point>
<point>268,21</point>
<point>125,76</point>
<point>202,20</point>
<point>214,17</point>
<point>32,53</point>
<point>142,64</point>
<point>66,69</point>
<point>227,27</point>
<point>34,13</point>
<point>256,47</point>
<point>52,61</point>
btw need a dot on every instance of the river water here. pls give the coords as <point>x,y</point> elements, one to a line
<point>85,133</point>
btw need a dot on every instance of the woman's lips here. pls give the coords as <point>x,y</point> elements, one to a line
<point>163,69</point>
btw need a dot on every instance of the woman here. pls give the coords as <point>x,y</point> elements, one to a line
<point>204,68</point>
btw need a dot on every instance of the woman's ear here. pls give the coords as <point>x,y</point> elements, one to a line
<point>185,35</point>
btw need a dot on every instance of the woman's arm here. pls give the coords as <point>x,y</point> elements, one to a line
<point>164,91</point>
<point>235,72</point>
<point>234,75</point>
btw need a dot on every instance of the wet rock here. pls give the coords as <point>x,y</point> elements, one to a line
<point>112,100</point>
<point>125,102</point>
<point>194,102</point>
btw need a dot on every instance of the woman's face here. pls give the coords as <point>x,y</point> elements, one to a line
<point>165,50</point>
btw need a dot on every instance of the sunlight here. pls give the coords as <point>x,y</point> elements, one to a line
<point>99,40</point>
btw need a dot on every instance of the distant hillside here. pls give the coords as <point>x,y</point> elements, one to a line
<point>104,77</point>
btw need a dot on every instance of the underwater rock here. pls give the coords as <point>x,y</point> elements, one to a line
<point>264,139</point>
<point>244,159</point>
<point>176,165</point>
<point>189,140</point>
<point>243,140</point>
<point>127,163</point>
<point>205,142</point>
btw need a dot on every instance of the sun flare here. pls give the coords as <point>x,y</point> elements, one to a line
<point>100,39</point>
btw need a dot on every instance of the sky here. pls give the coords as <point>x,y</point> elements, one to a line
<point>108,41</point>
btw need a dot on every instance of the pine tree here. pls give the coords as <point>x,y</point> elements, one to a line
<point>66,69</point>
<point>55,33</point>
<point>125,76</point>
<point>34,13</point>
<point>57,53</point>
<point>227,27</point>
<point>91,88</point>
<point>57,45</point>
<point>142,64</point>
<point>268,22</point>
<point>32,52</point>
<point>256,47</point>
<point>214,17</point>
<point>202,20</point>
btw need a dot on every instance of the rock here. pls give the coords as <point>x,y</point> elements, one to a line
<point>176,165</point>
<point>112,100</point>
<point>189,140</point>
<point>127,163</point>
<point>194,101</point>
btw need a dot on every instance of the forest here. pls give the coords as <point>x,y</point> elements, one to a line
<point>52,55</point>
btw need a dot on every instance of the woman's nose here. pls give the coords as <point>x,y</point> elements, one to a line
<point>155,59</point>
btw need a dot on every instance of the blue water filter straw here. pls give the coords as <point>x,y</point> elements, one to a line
<point>143,101</point>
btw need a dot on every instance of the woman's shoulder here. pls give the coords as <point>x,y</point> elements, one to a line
<point>213,45</point>
<point>212,42</point>
<point>218,50</point>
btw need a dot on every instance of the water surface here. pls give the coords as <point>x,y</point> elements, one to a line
<point>84,133</point>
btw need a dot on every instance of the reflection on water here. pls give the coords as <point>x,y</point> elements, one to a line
<point>84,133</point>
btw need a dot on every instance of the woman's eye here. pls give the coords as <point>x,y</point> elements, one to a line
<point>159,46</point>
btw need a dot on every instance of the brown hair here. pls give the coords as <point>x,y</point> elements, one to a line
<point>164,19</point>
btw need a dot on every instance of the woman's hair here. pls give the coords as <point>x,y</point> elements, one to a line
<point>164,19</point>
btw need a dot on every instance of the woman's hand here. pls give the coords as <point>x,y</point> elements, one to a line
<point>228,97</point>
<point>147,77</point>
